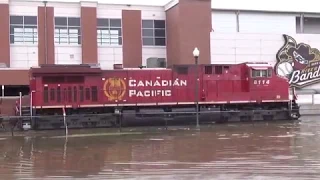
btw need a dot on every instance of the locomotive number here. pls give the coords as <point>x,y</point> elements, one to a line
<point>261,82</point>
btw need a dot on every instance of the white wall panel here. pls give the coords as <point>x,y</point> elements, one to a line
<point>253,50</point>
<point>67,9</point>
<point>23,56</point>
<point>24,8</point>
<point>4,1</point>
<point>248,58</point>
<point>244,47</point>
<point>268,58</point>
<point>247,43</point>
<point>224,50</point>
<point>223,58</point>
<point>115,11</point>
<point>304,99</point>
<point>257,47</point>
<point>222,43</point>
<point>313,86</point>
<point>271,5</point>
<point>104,12</point>
<point>68,55</point>
<point>148,52</point>
<point>224,21</point>
<point>251,22</point>
<point>108,56</point>
<point>153,13</point>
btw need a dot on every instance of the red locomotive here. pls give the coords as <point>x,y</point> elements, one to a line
<point>90,95</point>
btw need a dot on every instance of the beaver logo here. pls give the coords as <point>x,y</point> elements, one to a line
<point>299,63</point>
<point>114,88</point>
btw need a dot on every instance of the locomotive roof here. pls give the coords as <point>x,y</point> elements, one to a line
<point>66,69</point>
<point>259,64</point>
<point>96,69</point>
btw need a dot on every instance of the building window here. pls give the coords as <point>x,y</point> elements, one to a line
<point>23,30</point>
<point>307,25</point>
<point>109,31</point>
<point>154,32</point>
<point>67,30</point>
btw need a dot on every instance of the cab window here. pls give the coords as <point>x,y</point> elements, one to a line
<point>257,73</point>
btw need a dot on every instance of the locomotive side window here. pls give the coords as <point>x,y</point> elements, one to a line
<point>45,94</point>
<point>52,94</point>
<point>81,93</point>
<point>58,94</point>
<point>261,73</point>
<point>218,69</point>
<point>208,69</point>
<point>87,94</point>
<point>94,93</point>
<point>269,72</point>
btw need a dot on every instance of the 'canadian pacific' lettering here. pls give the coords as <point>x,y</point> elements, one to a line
<point>159,87</point>
<point>149,93</point>
<point>161,83</point>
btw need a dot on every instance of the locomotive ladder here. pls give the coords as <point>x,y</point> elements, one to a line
<point>26,117</point>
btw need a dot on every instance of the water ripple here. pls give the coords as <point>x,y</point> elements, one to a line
<point>261,151</point>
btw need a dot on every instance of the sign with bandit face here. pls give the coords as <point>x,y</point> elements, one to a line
<point>299,63</point>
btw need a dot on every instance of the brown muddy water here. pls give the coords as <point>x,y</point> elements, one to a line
<point>274,150</point>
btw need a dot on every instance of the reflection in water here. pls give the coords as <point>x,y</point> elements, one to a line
<point>281,150</point>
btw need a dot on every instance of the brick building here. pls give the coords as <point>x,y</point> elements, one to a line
<point>106,34</point>
<point>154,36</point>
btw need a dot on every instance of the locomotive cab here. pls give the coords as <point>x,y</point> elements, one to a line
<point>265,85</point>
<point>260,76</point>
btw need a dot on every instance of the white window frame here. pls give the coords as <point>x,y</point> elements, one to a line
<point>26,31</point>
<point>153,29</point>
<point>71,36</point>
<point>106,36</point>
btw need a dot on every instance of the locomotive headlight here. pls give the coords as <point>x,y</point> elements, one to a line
<point>278,97</point>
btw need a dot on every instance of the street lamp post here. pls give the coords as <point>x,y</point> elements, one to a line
<point>196,53</point>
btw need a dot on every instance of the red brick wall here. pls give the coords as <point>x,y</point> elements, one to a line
<point>89,35</point>
<point>132,40</point>
<point>49,40</point>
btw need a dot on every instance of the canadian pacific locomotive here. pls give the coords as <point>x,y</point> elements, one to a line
<point>92,97</point>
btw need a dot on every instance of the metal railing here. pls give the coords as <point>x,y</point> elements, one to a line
<point>308,99</point>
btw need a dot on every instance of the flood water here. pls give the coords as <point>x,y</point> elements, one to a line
<point>276,151</point>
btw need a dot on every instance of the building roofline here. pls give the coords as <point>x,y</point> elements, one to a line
<point>266,11</point>
<point>170,4</point>
<point>84,1</point>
